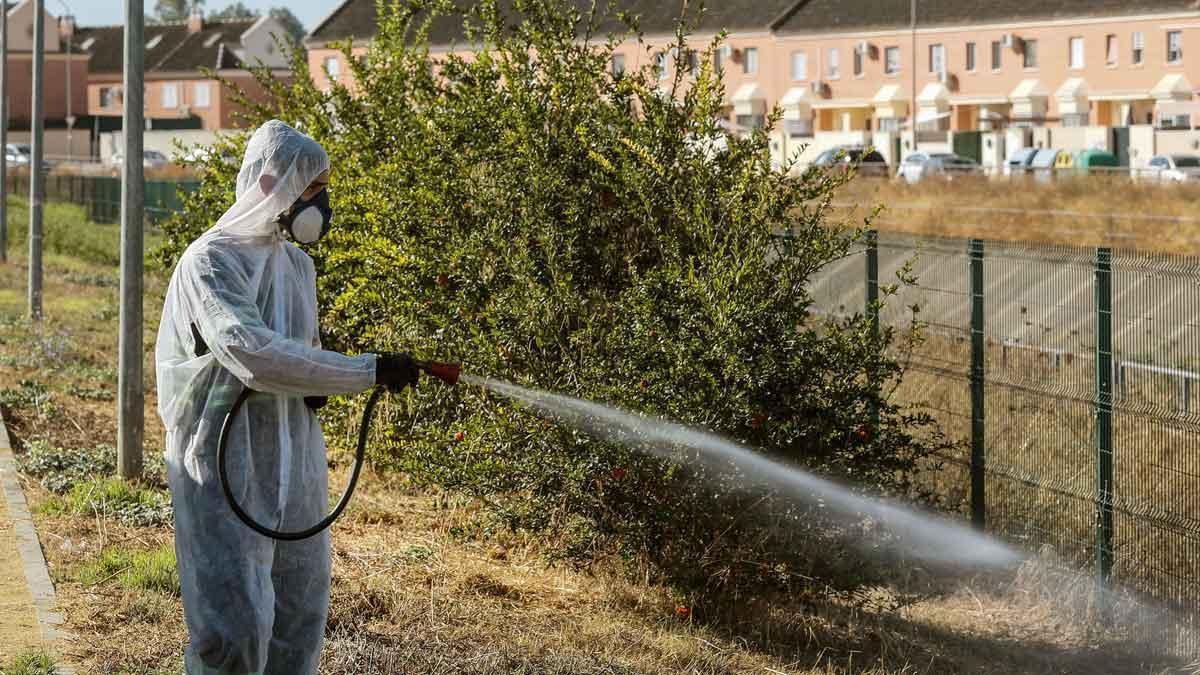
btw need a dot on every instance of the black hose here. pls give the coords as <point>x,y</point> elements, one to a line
<point>359,455</point>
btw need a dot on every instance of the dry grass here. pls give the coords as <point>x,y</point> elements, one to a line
<point>1092,211</point>
<point>420,588</point>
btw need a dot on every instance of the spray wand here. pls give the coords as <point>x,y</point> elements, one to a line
<point>446,372</point>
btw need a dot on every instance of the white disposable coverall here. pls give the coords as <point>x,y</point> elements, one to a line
<point>252,605</point>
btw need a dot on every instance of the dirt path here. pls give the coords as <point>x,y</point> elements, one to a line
<point>18,624</point>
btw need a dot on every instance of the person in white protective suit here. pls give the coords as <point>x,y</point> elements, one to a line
<point>241,311</point>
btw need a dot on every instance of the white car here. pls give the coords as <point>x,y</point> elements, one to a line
<point>1174,168</point>
<point>151,159</point>
<point>946,165</point>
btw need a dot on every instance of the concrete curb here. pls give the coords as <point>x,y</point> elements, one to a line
<point>37,576</point>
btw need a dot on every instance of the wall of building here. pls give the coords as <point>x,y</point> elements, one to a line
<point>1177,142</point>
<point>59,80</point>
<point>20,29</point>
<point>59,144</point>
<point>163,140</point>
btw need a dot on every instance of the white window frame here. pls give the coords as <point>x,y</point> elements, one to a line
<point>799,66</point>
<point>997,55</point>
<point>170,102</point>
<point>616,65</point>
<point>833,65</point>
<point>750,60</point>
<point>970,58</point>
<point>662,65</point>
<point>1175,36</point>
<point>332,66</point>
<point>1076,52</point>
<point>1138,46</point>
<point>891,66</point>
<point>937,58</point>
<point>857,64</point>
<point>1112,49</point>
<point>201,100</point>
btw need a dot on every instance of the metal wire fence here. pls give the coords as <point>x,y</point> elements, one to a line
<point>101,195</point>
<point>1068,376</point>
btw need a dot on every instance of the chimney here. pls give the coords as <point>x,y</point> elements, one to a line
<point>195,22</point>
<point>66,27</point>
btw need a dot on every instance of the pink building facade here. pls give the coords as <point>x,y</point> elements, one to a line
<point>857,72</point>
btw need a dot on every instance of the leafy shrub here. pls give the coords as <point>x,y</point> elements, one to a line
<point>548,223</point>
<point>59,470</point>
<point>114,498</point>
<point>31,395</point>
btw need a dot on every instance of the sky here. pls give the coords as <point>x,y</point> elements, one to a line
<point>112,12</point>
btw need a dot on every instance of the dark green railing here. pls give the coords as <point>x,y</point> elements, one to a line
<point>101,195</point>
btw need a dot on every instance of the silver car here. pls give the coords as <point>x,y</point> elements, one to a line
<point>945,165</point>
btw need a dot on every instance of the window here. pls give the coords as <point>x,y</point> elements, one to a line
<point>937,58</point>
<point>892,124</point>
<point>212,40</point>
<point>997,48</point>
<point>1076,119</point>
<point>200,94</point>
<point>720,57</point>
<point>333,67</point>
<point>891,60</point>
<point>798,128</point>
<point>970,57</point>
<point>1075,53</point>
<point>858,63</point>
<point>170,95</point>
<point>1029,53</point>
<point>832,69</point>
<point>1139,47</point>
<point>750,60</point>
<point>1111,50</point>
<point>1174,46</point>
<point>751,121</point>
<point>154,42</point>
<point>87,44</point>
<point>110,97</point>
<point>693,61</point>
<point>799,66</point>
<point>617,67</point>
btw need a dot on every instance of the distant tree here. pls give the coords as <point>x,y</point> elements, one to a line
<point>232,12</point>
<point>295,29</point>
<point>173,10</point>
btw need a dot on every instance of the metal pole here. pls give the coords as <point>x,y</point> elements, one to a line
<point>37,188</point>
<point>978,458</point>
<point>131,397</point>
<point>1104,411</point>
<point>912,104</point>
<point>872,307</point>
<point>3,136</point>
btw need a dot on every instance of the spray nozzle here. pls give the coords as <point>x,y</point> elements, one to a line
<point>446,372</point>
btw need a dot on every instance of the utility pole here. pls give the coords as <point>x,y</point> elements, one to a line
<point>130,393</point>
<point>3,136</point>
<point>36,188</point>
<point>912,104</point>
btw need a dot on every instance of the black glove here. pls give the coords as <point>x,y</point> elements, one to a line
<point>396,371</point>
<point>315,402</point>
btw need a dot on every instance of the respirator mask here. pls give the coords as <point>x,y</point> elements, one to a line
<point>309,219</point>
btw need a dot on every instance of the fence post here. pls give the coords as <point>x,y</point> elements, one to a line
<point>872,307</point>
<point>1104,409</point>
<point>978,458</point>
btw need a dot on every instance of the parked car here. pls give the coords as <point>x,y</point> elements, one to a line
<point>17,154</point>
<point>1043,164</point>
<point>1174,168</point>
<point>151,159</point>
<point>1019,161</point>
<point>870,162</point>
<point>945,165</point>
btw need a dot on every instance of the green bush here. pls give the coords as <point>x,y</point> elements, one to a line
<point>114,498</point>
<point>59,469</point>
<point>553,225</point>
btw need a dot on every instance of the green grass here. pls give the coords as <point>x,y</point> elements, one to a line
<point>68,232</point>
<point>148,570</point>
<point>30,663</point>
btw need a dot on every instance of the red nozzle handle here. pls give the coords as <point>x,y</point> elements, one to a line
<point>446,372</point>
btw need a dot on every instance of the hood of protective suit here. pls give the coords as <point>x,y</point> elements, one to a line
<point>241,311</point>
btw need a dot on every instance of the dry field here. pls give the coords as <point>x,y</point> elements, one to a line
<point>1088,211</point>
<point>422,584</point>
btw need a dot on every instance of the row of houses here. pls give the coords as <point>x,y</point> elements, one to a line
<point>83,98</point>
<point>982,78</point>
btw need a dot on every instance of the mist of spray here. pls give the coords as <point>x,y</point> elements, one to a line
<point>923,536</point>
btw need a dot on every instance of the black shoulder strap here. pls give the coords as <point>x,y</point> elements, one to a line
<point>200,346</point>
